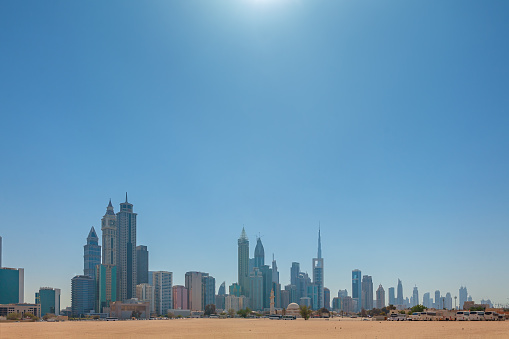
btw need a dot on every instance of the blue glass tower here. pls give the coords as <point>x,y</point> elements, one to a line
<point>357,288</point>
<point>92,254</point>
<point>259,254</point>
<point>318,275</point>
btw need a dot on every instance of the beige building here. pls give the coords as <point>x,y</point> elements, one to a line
<point>145,293</point>
<point>129,309</point>
<point>6,309</point>
<point>293,309</point>
<point>235,303</point>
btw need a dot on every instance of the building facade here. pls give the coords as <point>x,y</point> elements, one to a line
<point>180,297</point>
<point>380,297</point>
<point>243,263</point>
<point>106,286</point>
<point>194,285</point>
<point>357,287</point>
<point>82,295</point>
<point>142,264</point>
<point>49,299</point>
<point>367,293</point>
<point>126,251</point>
<point>145,294</point>
<point>162,282</point>
<point>12,285</point>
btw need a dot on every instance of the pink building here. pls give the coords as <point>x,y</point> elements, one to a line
<point>180,297</point>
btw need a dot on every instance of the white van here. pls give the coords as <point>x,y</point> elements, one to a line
<point>490,316</point>
<point>474,316</point>
<point>462,315</point>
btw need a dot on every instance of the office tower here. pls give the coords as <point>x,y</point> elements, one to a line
<point>0,251</point>
<point>92,254</point>
<point>82,295</point>
<point>275,273</point>
<point>180,297</point>
<point>209,290</point>
<point>276,287</point>
<point>142,264</point>
<point>194,285</point>
<point>463,296</point>
<point>251,265</point>
<point>220,302</point>
<point>367,292</point>
<point>357,288</point>
<point>426,301</point>
<point>162,282</point>
<point>222,289</point>
<point>12,285</point>
<point>126,251</point>
<point>380,297</point>
<point>292,293</point>
<point>341,295</point>
<point>106,286</point>
<point>259,254</point>
<point>294,273</point>
<point>326,298</point>
<point>235,289</point>
<point>49,299</point>
<point>285,298</point>
<point>267,284</point>
<point>313,296</point>
<point>399,300</point>
<point>318,273</point>
<point>256,289</point>
<point>392,297</point>
<point>243,263</point>
<point>438,300</point>
<point>415,297</point>
<point>302,285</point>
<point>109,236</point>
<point>145,293</point>
<point>448,301</point>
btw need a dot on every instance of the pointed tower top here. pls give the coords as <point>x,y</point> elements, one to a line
<point>243,235</point>
<point>109,209</point>
<point>110,205</point>
<point>126,197</point>
<point>92,234</point>
<point>319,243</point>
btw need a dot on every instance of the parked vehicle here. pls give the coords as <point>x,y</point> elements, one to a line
<point>429,316</point>
<point>474,316</point>
<point>416,316</point>
<point>289,317</point>
<point>490,316</point>
<point>462,315</point>
<point>275,317</point>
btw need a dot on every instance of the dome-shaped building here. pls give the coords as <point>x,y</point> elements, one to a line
<point>293,309</point>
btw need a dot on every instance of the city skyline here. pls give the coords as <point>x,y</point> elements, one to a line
<point>383,123</point>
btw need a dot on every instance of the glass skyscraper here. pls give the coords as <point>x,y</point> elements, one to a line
<point>142,263</point>
<point>357,288</point>
<point>243,263</point>
<point>318,275</point>
<point>92,254</point>
<point>82,295</point>
<point>126,251</point>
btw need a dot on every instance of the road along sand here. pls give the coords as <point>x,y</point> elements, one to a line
<point>256,328</point>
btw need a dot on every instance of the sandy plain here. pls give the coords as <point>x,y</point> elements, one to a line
<point>255,328</point>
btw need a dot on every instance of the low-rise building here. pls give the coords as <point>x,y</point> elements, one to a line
<point>6,309</point>
<point>129,309</point>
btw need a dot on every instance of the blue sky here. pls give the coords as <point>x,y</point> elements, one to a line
<point>384,121</point>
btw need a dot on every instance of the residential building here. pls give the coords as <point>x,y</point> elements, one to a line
<point>145,294</point>
<point>209,290</point>
<point>348,305</point>
<point>194,285</point>
<point>318,273</point>
<point>380,297</point>
<point>12,285</point>
<point>438,301</point>
<point>392,296</point>
<point>142,264</point>
<point>243,263</point>
<point>126,251</point>
<point>180,297</point>
<point>367,293</point>
<point>235,303</point>
<point>162,282</point>
<point>426,300</point>
<point>448,301</point>
<point>357,288</point>
<point>82,295</point>
<point>415,297</point>
<point>106,286</point>
<point>49,299</point>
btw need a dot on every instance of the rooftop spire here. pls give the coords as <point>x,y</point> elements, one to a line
<point>319,243</point>
<point>243,235</point>
<point>126,197</point>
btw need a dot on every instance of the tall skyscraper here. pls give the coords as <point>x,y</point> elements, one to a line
<point>92,254</point>
<point>415,296</point>
<point>142,264</point>
<point>222,289</point>
<point>357,288</point>
<point>0,251</point>
<point>82,295</point>
<point>180,297</point>
<point>294,273</point>
<point>326,298</point>
<point>259,254</point>
<point>126,251</point>
<point>243,263</point>
<point>438,300</point>
<point>463,296</point>
<point>318,272</point>
<point>399,299</point>
<point>106,286</point>
<point>49,299</point>
<point>426,301</point>
<point>275,273</point>
<point>267,284</point>
<point>12,285</point>
<point>380,297</point>
<point>256,289</point>
<point>209,290</point>
<point>194,285</point>
<point>392,296</point>
<point>448,301</point>
<point>162,282</point>
<point>109,236</point>
<point>367,292</point>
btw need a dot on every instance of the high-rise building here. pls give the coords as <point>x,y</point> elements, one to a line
<point>82,295</point>
<point>259,254</point>
<point>12,285</point>
<point>275,273</point>
<point>92,254</point>
<point>220,302</point>
<point>302,285</point>
<point>318,273</point>
<point>49,299</point>
<point>243,263</point>
<point>235,289</point>
<point>448,301</point>
<point>0,251</point>
<point>463,296</point>
<point>106,286</point>
<point>162,282</point>
<point>145,294</point>
<point>367,292</point>
<point>438,300</point>
<point>326,298</point>
<point>392,296</point>
<point>285,298</point>
<point>292,293</point>
<point>313,296</point>
<point>209,290</point>
<point>180,297</point>
<point>109,236</point>
<point>267,284</point>
<point>256,289</point>
<point>142,264</point>
<point>415,297</point>
<point>426,301</point>
<point>222,289</point>
<point>357,288</point>
<point>126,251</point>
<point>399,299</point>
<point>194,285</point>
<point>294,273</point>
<point>380,297</point>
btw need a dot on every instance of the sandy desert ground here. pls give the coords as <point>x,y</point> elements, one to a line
<point>259,328</point>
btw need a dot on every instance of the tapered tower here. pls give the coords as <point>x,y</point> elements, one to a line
<point>318,272</point>
<point>243,263</point>
<point>126,251</point>
<point>109,236</point>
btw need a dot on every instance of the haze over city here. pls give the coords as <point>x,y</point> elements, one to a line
<point>384,123</point>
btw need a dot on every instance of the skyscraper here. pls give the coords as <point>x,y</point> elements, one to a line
<point>194,285</point>
<point>463,296</point>
<point>326,298</point>
<point>209,290</point>
<point>426,301</point>
<point>222,289</point>
<point>356,288</point>
<point>275,273</point>
<point>448,301</point>
<point>92,254</point>
<point>294,273</point>
<point>109,236</point>
<point>0,251</point>
<point>399,299</point>
<point>162,283</point>
<point>126,251</point>
<point>82,295</point>
<point>367,292</point>
<point>318,272</point>
<point>380,297</point>
<point>49,299</point>
<point>259,254</point>
<point>438,300</point>
<point>180,297</point>
<point>392,298</point>
<point>415,297</point>
<point>142,264</point>
<point>12,285</point>
<point>243,263</point>
<point>106,286</point>
<point>256,289</point>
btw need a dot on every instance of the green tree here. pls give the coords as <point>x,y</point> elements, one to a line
<point>417,308</point>
<point>31,316</point>
<point>210,309</point>
<point>48,316</point>
<point>170,315</point>
<point>244,313</point>
<point>13,316</point>
<point>231,312</point>
<point>305,312</point>
<point>391,307</point>
<point>477,308</point>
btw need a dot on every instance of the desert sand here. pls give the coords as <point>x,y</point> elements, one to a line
<point>259,328</point>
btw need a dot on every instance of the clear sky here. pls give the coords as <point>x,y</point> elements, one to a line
<point>385,121</point>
